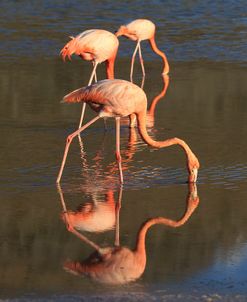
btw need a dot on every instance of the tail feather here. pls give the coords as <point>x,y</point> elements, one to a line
<point>75,96</point>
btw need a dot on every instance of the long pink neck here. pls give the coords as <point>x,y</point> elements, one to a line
<point>141,119</point>
<point>160,53</point>
<point>158,97</point>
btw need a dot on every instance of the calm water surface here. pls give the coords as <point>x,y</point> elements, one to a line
<point>205,104</point>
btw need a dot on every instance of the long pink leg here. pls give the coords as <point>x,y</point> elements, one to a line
<point>95,74</point>
<point>132,61</point>
<point>118,155</point>
<point>89,83</point>
<point>141,60</point>
<point>68,142</point>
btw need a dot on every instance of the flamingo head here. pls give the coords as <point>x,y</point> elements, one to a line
<point>69,49</point>
<point>121,31</point>
<point>193,166</point>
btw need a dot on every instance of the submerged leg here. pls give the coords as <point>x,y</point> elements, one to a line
<point>132,62</point>
<point>68,142</point>
<point>89,83</point>
<point>118,155</point>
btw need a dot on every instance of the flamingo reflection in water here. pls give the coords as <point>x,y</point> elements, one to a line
<point>101,212</point>
<point>119,264</point>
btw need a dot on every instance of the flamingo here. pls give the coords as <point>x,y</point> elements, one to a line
<point>119,264</point>
<point>96,45</point>
<point>120,98</point>
<point>140,30</point>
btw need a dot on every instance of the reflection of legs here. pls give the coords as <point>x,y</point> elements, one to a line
<point>117,212</point>
<point>132,62</point>
<point>141,60</point>
<point>70,227</point>
<point>89,83</point>
<point>118,155</point>
<point>68,142</point>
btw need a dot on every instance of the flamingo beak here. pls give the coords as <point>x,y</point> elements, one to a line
<point>193,175</point>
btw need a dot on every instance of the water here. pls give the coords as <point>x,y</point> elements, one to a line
<point>205,104</point>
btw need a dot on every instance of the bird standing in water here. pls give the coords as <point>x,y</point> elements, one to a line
<point>94,45</point>
<point>120,98</point>
<point>140,30</point>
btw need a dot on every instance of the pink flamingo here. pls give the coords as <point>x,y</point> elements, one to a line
<point>119,264</point>
<point>94,45</point>
<point>140,30</point>
<point>120,98</point>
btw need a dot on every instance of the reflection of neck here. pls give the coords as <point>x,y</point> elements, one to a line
<point>159,96</point>
<point>192,202</point>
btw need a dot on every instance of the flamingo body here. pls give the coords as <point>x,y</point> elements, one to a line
<point>111,98</point>
<point>93,44</point>
<point>140,29</point>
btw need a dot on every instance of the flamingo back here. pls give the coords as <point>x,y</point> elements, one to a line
<point>139,29</point>
<point>112,98</point>
<point>93,44</point>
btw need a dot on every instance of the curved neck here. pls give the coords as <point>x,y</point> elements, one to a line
<point>192,203</point>
<point>160,53</point>
<point>192,161</point>
<point>141,119</point>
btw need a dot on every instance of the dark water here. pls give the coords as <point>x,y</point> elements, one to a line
<point>205,104</point>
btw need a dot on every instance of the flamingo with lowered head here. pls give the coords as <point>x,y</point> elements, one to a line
<point>140,30</point>
<point>120,98</point>
<point>96,45</point>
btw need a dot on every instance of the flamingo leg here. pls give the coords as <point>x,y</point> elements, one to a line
<point>89,83</point>
<point>70,227</point>
<point>141,60</point>
<point>68,142</point>
<point>117,212</point>
<point>95,75</point>
<point>118,155</point>
<point>133,61</point>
